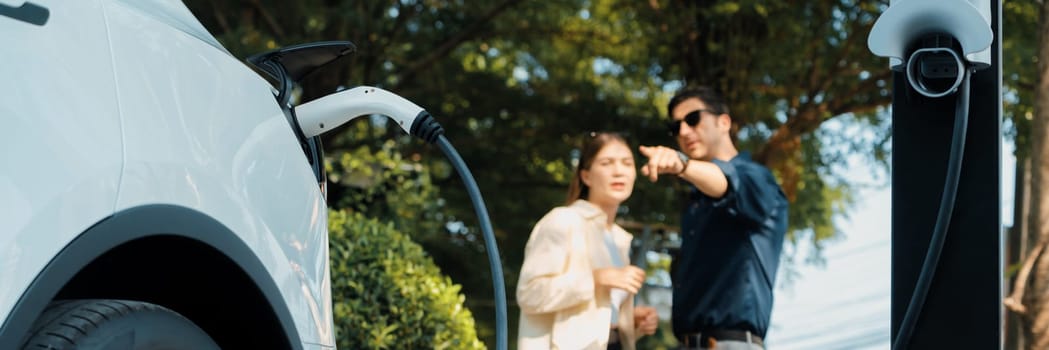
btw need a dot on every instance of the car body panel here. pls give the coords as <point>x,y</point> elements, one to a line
<point>61,150</point>
<point>150,112</point>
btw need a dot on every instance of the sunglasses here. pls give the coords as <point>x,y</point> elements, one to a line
<point>692,119</point>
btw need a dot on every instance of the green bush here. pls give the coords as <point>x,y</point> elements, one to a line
<point>388,294</point>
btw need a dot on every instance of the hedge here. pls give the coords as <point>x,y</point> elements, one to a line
<point>388,293</point>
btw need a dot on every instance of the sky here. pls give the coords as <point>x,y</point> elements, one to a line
<point>845,304</point>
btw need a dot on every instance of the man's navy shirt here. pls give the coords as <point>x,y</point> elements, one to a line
<point>725,271</point>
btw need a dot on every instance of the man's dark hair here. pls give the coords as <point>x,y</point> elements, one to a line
<point>711,98</point>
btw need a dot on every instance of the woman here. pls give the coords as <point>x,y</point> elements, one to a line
<point>575,284</point>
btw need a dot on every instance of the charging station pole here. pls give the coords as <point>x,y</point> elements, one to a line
<point>963,309</point>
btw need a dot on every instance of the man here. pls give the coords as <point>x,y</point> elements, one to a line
<point>732,228</point>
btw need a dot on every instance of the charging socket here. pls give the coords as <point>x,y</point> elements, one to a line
<point>935,71</point>
<point>939,66</point>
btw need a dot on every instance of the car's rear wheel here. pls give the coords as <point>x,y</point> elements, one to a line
<point>98,324</point>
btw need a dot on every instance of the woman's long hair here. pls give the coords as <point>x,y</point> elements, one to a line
<point>592,144</point>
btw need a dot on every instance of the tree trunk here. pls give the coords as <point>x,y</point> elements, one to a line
<point>1017,249</point>
<point>1036,300</point>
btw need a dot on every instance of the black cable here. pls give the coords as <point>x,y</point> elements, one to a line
<point>943,218</point>
<point>489,239</point>
<point>428,129</point>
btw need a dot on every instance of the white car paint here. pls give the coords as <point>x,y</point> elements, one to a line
<point>120,104</point>
<point>60,156</point>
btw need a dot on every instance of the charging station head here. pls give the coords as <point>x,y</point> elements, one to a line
<point>906,21</point>
<point>935,72</point>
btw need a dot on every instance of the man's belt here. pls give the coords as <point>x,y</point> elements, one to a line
<point>709,339</point>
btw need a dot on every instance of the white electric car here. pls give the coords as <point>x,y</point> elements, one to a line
<point>152,187</point>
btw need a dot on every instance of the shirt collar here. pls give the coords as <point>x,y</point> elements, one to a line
<point>591,212</point>
<point>743,155</point>
<point>588,210</point>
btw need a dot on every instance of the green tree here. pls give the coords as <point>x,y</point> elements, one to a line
<point>787,68</point>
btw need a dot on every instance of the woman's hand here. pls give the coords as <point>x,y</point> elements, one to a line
<point>628,278</point>
<point>646,320</point>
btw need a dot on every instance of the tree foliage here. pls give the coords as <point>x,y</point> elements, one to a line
<point>1019,62</point>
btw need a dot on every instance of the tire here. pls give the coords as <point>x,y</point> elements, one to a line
<point>104,324</point>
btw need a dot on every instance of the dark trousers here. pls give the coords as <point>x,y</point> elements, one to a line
<point>727,345</point>
<point>614,342</point>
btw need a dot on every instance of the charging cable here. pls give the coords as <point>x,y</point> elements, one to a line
<point>489,237</point>
<point>943,217</point>
<point>327,113</point>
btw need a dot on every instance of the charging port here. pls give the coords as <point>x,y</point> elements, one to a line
<point>934,72</point>
<point>939,65</point>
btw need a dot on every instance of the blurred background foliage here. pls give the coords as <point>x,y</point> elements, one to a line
<point>516,84</point>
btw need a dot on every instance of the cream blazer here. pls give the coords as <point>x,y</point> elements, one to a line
<point>560,307</point>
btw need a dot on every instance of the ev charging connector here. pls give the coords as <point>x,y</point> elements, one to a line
<point>326,113</point>
<point>308,121</point>
<point>937,45</point>
<point>329,112</point>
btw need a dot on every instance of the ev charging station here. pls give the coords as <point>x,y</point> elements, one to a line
<point>946,163</point>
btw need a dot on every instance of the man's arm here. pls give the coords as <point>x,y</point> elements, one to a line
<point>706,176</point>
